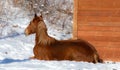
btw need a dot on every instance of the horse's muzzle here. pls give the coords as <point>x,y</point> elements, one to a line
<point>26,32</point>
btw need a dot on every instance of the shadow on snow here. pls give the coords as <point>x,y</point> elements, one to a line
<point>7,61</point>
<point>12,36</point>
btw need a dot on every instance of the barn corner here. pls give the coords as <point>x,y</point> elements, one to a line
<point>75,35</point>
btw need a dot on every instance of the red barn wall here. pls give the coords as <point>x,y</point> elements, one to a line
<point>98,21</point>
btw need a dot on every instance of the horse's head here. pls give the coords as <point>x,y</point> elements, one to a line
<point>31,28</point>
<point>38,27</point>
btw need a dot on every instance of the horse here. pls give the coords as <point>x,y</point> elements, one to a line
<point>48,48</point>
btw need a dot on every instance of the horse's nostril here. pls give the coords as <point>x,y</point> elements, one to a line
<point>26,32</point>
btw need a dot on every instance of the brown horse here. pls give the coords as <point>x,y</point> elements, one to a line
<point>48,48</point>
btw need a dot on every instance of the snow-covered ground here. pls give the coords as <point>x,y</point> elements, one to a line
<point>16,48</point>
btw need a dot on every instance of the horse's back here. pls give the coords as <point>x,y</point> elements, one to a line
<point>74,50</point>
<point>75,44</point>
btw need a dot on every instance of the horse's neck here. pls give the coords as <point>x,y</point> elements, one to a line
<point>43,38</point>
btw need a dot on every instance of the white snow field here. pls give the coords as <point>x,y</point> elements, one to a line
<point>16,48</point>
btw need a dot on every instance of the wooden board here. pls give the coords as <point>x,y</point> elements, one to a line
<point>98,21</point>
<point>75,20</point>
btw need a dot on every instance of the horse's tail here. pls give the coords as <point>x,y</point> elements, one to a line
<point>97,59</point>
<point>100,60</point>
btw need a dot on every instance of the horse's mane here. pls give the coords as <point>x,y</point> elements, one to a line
<point>42,35</point>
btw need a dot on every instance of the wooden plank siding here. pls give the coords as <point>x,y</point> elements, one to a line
<point>75,35</point>
<point>98,21</point>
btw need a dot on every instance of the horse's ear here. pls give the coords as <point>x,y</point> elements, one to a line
<point>40,16</point>
<point>35,15</point>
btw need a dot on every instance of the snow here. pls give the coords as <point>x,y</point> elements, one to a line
<point>16,48</point>
<point>58,15</point>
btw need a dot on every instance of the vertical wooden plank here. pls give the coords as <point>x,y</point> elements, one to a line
<point>75,19</point>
